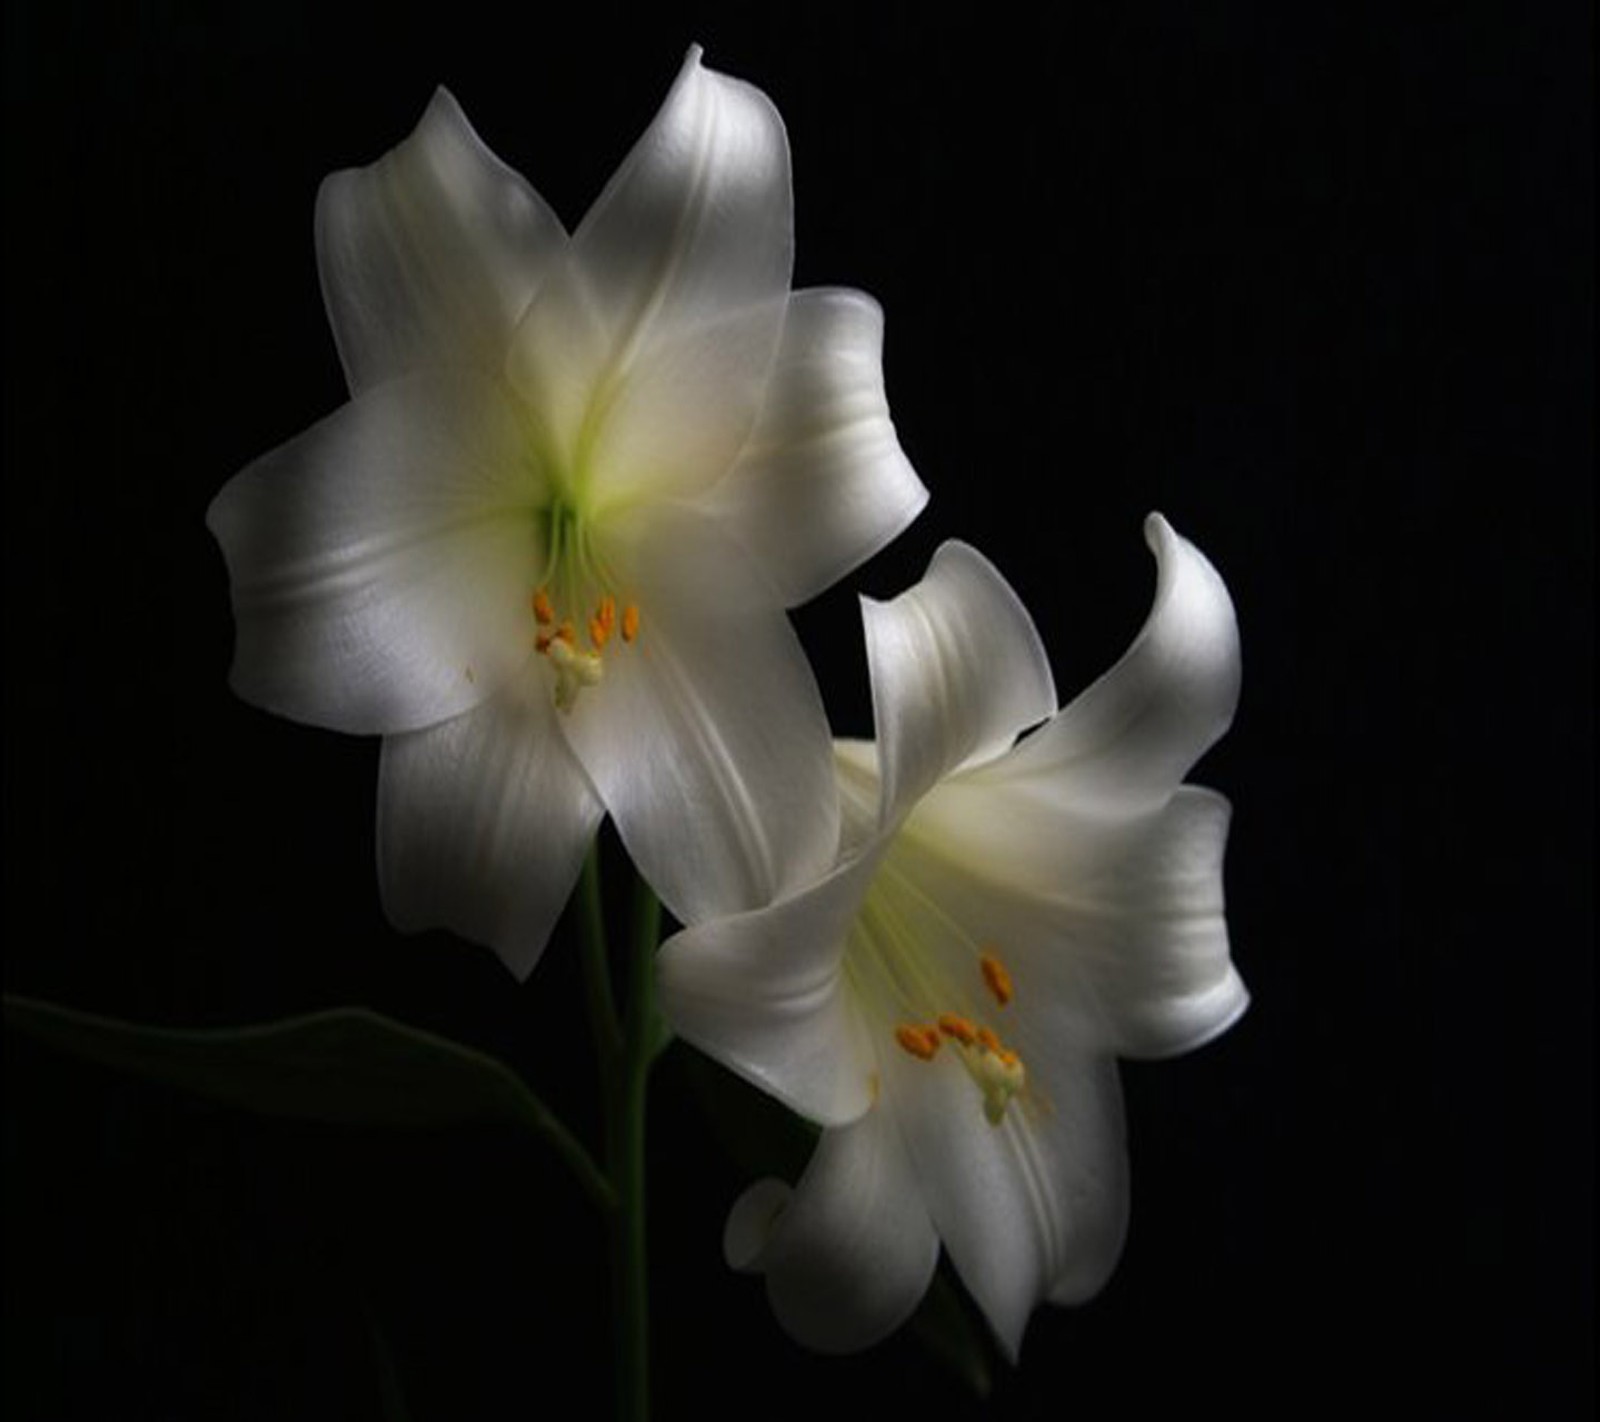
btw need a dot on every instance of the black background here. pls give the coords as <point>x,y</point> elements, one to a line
<point>1316,287</point>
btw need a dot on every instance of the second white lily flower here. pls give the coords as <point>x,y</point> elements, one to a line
<point>547,548</point>
<point>1008,916</point>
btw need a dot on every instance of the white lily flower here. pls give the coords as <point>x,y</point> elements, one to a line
<point>546,548</point>
<point>1008,916</point>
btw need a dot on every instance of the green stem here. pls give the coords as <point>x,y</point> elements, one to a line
<point>625,1050</point>
<point>597,972</point>
<point>627,1161</point>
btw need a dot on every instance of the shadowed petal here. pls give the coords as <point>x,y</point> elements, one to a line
<point>823,483</point>
<point>483,824</point>
<point>429,256</point>
<point>957,671</point>
<point>381,561</point>
<point>850,1254</point>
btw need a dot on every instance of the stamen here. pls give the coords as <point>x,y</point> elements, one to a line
<point>955,1026</point>
<point>921,1042</point>
<point>630,622</point>
<point>996,978</point>
<point>575,667</point>
<point>988,1040</point>
<point>601,624</point>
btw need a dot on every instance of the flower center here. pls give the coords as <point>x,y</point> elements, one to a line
<point>574,611</point>
<point>928,1000</point>
<point>994,1067</point>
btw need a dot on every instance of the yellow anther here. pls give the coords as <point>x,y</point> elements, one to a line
<point>955,1026</point>
<point>996,978</point>
<point>921,1042</point>
<point>542,609</point>
<point>630,622</point>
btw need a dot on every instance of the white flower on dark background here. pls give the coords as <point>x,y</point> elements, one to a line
<point>1007,916</point>
<point>546,548</point>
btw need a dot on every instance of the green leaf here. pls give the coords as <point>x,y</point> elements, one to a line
<point>347,1065</point>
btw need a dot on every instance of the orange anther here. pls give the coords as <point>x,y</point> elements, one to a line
<point>599,632</point>
<point>567,633</point>
<point>630,622</point>
<point>954,1025</point>
<point>921,1042</point>
<point>607,611</point>
<point>542,642</point>
<point>542,608</point>
<point>996,978</point>
<point>988,1040</point>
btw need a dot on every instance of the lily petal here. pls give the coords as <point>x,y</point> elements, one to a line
<point>957,671</point>
<point>648,352</point>
<point>1130,738</point>
<point>708,741</point>
<point>849,1256</point>
<point>762,992</point>
<point>381,561</point>
<point>483,823</point>
<point>1117,930</point>
<point>429,256</point>
<point>823,483</point>
<point>1035,1207</point>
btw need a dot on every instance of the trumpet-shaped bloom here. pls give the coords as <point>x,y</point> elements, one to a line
<point>547,547</point>
<point>1010,912</point>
